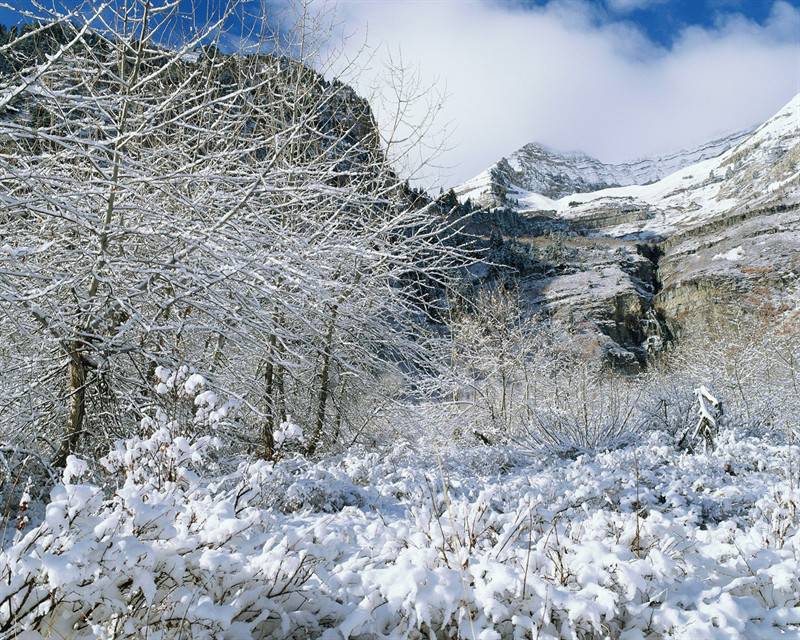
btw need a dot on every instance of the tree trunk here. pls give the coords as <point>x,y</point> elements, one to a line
<point>280,394</point>
<point>77,368</point>
<point>326,369</point>
<point>77,406</point>
<point>324,379</point>
<point>267,435</point>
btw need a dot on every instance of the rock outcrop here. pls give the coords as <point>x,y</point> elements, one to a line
<point>658,258</point>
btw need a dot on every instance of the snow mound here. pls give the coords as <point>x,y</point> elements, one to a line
<point>734,255</point>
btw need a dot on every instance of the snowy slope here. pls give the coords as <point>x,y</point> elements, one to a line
<point>758,169</point>
<point>762,170</point>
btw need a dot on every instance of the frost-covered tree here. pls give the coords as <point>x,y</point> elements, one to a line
<point>177,202</point>
<point>491,358</point>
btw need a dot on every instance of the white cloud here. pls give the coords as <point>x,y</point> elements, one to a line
<point>569,77</point>
<point>624,6</point>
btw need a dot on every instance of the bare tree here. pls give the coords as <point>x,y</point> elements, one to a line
<point>178,202</point>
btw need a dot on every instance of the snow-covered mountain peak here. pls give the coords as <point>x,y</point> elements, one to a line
<point>548,151</point>
<point>655,195</point>
<point>782,129</point>
<point>538,168</point>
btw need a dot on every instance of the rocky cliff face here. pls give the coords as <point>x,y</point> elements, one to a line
<point>662,255</point>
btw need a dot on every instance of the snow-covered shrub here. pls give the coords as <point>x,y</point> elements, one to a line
<point>511,377</point>
<point>287,433</point>
<point>752,362</point>
<point>585,409</point>
<point>183,398</point>
<point>668,402</point>
<point>297,484</point>
<point>587,548</point>
<point>25,478</point>
<point>165,555</point>
<point>643,541</point>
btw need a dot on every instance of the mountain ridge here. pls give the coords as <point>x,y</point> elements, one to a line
<point>633,267</point>
<point>540,168</point>
<point>736,175</point>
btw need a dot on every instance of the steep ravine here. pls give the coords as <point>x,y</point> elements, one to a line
<point>629,299</point>
<point>707,277</point>
<point>603,288</point>
<point>714,240</point>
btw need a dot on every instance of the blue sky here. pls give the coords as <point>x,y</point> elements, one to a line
<point>664,20</point>
<point>201,9</point>
<point>618,79</point>
<point>660,20</point>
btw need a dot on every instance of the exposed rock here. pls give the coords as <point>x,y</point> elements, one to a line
<point>729,266</point>
<point>642,263</point>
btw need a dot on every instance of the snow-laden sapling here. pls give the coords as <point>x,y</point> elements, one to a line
<point>709,416</point>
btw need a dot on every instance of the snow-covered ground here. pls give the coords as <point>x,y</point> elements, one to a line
<point>640,542</point>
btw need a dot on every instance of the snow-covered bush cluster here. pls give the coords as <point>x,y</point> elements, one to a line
<point>641,542</point>
<point>528,380</point>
